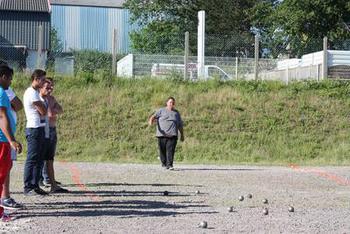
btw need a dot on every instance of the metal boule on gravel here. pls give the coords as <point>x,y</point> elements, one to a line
<point>240,198</point>
<point>203,224</point>
<point>265,201</point>
<point>198,192</point>
<point>291,209</point>
<point>265,211</point>
<point>250,196</point>
<point>165,193</point>
<point>230,209</point>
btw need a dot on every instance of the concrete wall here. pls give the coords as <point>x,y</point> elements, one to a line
<point>125,66</point>
<point>36,61</point>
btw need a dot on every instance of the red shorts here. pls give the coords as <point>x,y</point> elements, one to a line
<point>5,164</point>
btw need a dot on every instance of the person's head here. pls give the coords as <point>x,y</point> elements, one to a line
<point>50,80</point>
<point>2,62</point>
<point>6,74</point>
<point>45,88</point>
<point>38,78</point>
<point>170,103</point>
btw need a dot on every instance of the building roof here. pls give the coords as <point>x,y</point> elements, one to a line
<point>25,5</point>
<point>91,3</point>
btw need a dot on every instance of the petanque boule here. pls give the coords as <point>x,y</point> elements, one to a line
<point>291,209</point>
<point>230,209</point>
<point>250,196</point>
<point>265,211</point>
<point>198,192</point>
<point>203,224</point>
<point>165,193</point>
<point>265,201</point>
<point>240,198</point>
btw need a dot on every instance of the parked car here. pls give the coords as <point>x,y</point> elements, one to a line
<point>210,71</point>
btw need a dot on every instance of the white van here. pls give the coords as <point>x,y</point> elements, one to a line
<point>211,71</point>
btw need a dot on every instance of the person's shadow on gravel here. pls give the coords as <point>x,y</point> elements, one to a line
<point>122,209</point>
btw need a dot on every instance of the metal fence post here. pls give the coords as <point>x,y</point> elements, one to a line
<point>114,51</point>
<point>187,51</point>
<point>256,64</point>
<point>325,59</point>
<point>201,45</point>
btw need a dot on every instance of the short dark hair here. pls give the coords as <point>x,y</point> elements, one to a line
<point>50,79</point>
<point>6,70</point>
<point>172,98</point>
<point>38,73</point>
<point>2,62</point>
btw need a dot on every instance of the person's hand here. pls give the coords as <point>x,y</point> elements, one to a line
<point>182,138</point>
<point>16,146</point>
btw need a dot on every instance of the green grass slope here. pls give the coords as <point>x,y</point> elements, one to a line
<point>225,123</point>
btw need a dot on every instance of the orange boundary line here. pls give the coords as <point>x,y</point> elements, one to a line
<point>324,174</point>
<point>75,172</point>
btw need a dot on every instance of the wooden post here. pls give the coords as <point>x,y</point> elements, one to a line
<point>114,51</point>
<point>256,64</point>
<point>236,68</point>
<point>187,51</point>
<point>40,47</point>
<point>325,59</point>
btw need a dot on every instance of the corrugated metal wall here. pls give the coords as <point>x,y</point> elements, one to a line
<point>91,27</point>
<point>25,5</point>
<point>22,28</point>
<point>338,57</point>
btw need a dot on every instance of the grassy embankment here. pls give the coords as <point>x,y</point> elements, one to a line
<point>225,123</point>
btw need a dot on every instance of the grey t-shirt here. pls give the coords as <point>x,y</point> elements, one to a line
<point>168,122</point>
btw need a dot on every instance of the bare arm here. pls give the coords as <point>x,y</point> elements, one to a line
<point>58,108</point>
<point>5,128</point>
<point>152,119</point>
<point>55,107</point>
<point>182,136</point>
<point>16,104</point>
<point>39,105</point>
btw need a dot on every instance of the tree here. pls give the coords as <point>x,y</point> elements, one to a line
<point>56,45</point>
<point>301,25</point>
<point>162,23</point>
<point>56,48</point>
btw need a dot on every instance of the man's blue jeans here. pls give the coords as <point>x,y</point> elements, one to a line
<point>32,167</point>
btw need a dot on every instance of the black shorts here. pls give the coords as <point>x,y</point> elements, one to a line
<point>50,145</point>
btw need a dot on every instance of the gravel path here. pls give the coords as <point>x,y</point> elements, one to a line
<point>128,198</point>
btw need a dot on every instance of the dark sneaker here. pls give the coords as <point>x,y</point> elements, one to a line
<point>171,168</point>
<point>30,193</point>
<point>59,190</point>
<point>11,204</point>
<point>36,192</point>
<point>40,191</point>
<point>46,184</point>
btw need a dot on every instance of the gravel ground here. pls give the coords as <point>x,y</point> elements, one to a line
<point>128,198</point>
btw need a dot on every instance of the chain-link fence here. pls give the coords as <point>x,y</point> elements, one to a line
<point>157,65</point>
<point>227,57</point>
<point>15,56</point>
<point>238,45</point>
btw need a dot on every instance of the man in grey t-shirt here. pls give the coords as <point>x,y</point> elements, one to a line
<point>169,123</point>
